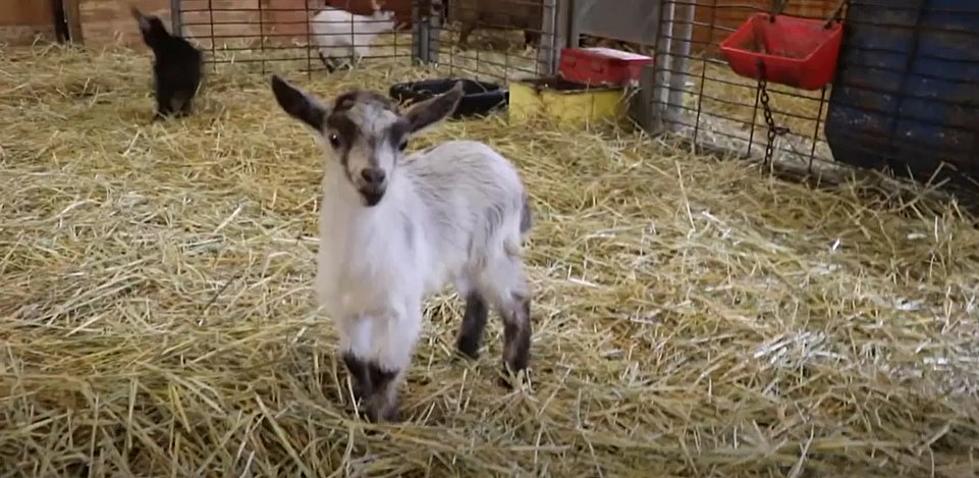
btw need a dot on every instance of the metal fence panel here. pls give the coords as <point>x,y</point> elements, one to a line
<point>288,32</point>
<point>697,97</point>
<point>634,21</point>
<point>500,40</point>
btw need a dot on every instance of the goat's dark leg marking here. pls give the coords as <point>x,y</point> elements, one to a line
<point>359,376</point>
<point>164,102</point>
<point>516,337</point>
<point>473,325</point>
<point>188,106</point>
<point>180,104</point>
<point>328,63</point>
<point>531,38</point>
<point>464,32</point>
<point>382,404</point>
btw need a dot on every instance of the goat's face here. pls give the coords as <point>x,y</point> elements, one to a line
<point>151,27</point>
<point>363,131</point>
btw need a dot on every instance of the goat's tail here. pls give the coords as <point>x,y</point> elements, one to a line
<point>513,240</point>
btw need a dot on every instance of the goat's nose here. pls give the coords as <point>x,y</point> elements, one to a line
<point>373,176</point>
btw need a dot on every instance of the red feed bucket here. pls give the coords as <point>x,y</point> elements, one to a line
<point>798,52</point>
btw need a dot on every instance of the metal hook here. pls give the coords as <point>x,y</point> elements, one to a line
<point>777,7</point>
<point>837,15</point>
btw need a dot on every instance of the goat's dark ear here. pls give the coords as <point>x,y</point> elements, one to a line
<point>144,22</point>
<point>429,112</point>
<point>298,104</point>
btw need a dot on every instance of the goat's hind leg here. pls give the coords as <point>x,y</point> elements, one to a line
<point>164,103</point>
<point>505,284</point>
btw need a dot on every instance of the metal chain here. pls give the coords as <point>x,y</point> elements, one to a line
<point>773,130</point>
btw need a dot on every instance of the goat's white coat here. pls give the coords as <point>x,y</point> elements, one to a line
<point>450,214</point>
<point>339,33</point>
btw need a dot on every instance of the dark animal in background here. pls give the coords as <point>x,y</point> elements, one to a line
<point>526,15</point>
<point>177,68</point>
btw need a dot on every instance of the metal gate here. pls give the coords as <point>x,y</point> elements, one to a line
<point>695,96</point>
<point>288,34</point>
<point>500,40</point>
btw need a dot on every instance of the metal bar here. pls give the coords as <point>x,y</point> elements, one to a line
<point>309,44</point>
<point>815,131</point>
<point>703,73</point>
<point>176,24</point>
<point>550,45</point>
<point>685,33</point>
<point>673,53</point>
<point>210,9</point>
<point>261,33</point>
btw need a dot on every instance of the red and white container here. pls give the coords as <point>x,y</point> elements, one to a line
<point>602,66</point>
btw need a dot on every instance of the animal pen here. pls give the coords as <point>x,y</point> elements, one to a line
<point>693,316</point>
<point>691,92</point>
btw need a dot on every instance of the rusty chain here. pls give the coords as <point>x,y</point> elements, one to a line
<point>773,129</point>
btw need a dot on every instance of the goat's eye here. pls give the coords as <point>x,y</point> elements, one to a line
<point>334,140</point>
<point>402,145</point>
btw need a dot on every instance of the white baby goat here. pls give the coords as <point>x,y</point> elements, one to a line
<point>341,34</point>
<point>394,229</point>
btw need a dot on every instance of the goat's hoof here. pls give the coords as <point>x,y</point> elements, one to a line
<point>389,414</point>
<point>468,349</point>
<point>509,380</point>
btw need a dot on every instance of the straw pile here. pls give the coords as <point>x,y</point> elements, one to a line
<point>693,316</point>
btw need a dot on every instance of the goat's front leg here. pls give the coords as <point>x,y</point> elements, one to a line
<point>473,324</point>
<point>328,63</point>
<point>395,337</point>
<point>355,349</point>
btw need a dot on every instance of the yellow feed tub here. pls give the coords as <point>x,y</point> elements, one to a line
<point>566,103</point>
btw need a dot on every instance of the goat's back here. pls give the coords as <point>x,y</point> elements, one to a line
<point>474,196</point>
<point>467,171</point>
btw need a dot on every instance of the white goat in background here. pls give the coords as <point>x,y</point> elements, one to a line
<point>395,229</point>
<point>340,34</point>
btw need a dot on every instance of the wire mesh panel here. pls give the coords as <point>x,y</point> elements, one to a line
<point>906,87</point>
<point>700,98</point>
<point>306,34</point>
<point>498,40</point>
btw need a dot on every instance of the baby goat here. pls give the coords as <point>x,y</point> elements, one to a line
<point>394,229</point>
<point>177,68</point>
<point>339,33</point>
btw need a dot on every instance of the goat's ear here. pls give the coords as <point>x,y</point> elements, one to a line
<point>298,104</point>
<point>144,21</point>
<point>429,112</point>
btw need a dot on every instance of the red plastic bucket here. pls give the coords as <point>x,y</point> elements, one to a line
<point>798,52</point>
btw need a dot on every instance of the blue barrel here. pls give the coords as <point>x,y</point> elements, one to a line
<point>906,92</point>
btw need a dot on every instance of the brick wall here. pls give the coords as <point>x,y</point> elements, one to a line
<point>21,21</point>
<point>106,22</point>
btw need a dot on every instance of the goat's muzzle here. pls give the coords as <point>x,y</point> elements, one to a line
<point>372,195</point>
<point>372,185</point>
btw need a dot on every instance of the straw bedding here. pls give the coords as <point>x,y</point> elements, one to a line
<point>693,316</point>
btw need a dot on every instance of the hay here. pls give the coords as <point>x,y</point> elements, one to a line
<point>693,316</point>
